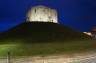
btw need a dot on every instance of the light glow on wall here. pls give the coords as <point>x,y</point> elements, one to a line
<point>88,33</point>
<point>42,14</point>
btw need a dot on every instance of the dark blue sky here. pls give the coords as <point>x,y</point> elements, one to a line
<point>78,14</point>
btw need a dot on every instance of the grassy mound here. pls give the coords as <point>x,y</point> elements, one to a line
<point>39,38</point>
<point>41,32</point>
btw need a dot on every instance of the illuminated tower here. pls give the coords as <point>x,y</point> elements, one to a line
<point>42,14</point>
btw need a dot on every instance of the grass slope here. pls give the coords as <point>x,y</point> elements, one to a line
<point>41,32</point>
<point>42,39</point>
<point>34,49</point>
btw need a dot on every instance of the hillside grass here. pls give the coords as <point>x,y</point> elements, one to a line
<point>20,48</point>
<point>39,38</point>
<point>42,32</point>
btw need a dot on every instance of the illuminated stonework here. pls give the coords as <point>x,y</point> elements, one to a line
<point>88,33</point>
<point>42,14</point>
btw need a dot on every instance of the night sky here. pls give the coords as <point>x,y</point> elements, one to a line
<point>78,14</point>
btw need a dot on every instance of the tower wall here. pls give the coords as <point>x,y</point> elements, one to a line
<point>42,14</point>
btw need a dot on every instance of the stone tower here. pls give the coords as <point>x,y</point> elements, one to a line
<point>42,14</point>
